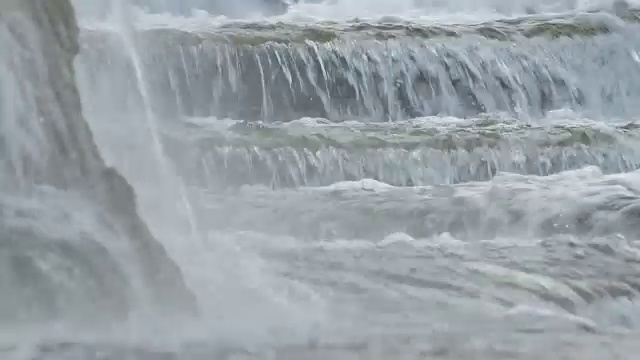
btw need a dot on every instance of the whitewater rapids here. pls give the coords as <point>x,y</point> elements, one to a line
<point>346,179</point>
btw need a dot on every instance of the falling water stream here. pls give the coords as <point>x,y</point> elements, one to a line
<point>121,18</point>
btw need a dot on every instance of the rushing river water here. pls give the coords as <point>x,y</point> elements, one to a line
<point>339,179</point>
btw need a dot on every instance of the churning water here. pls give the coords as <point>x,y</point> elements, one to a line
<point>338,179</point>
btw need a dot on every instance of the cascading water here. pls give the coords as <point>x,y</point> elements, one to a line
<point>364,179</point>
<point>127,36</point>
<point>74,248</point>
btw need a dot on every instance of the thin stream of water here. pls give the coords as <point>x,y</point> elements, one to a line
<point>120,16</point>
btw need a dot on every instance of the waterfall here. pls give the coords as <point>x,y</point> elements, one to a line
<point>74,247</point>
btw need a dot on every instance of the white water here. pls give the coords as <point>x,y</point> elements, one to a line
<point>438,10</point>
<point>466,267</point>
<point>209,268</point>
<point>239,299</point>
<point>421,11</point>
<point>122,19</point>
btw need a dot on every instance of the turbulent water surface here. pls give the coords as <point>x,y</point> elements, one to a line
<point>341,179</point>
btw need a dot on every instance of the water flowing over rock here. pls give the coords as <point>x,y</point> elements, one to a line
<point>416,153</point>
<point>270,74</point>
<point>351,179</point>
<point>55,185</point>
<point>378,72</point>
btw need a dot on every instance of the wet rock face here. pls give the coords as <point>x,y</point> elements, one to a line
<point>46,143</point>
<point>50,278</point>
<point>45,139</point>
